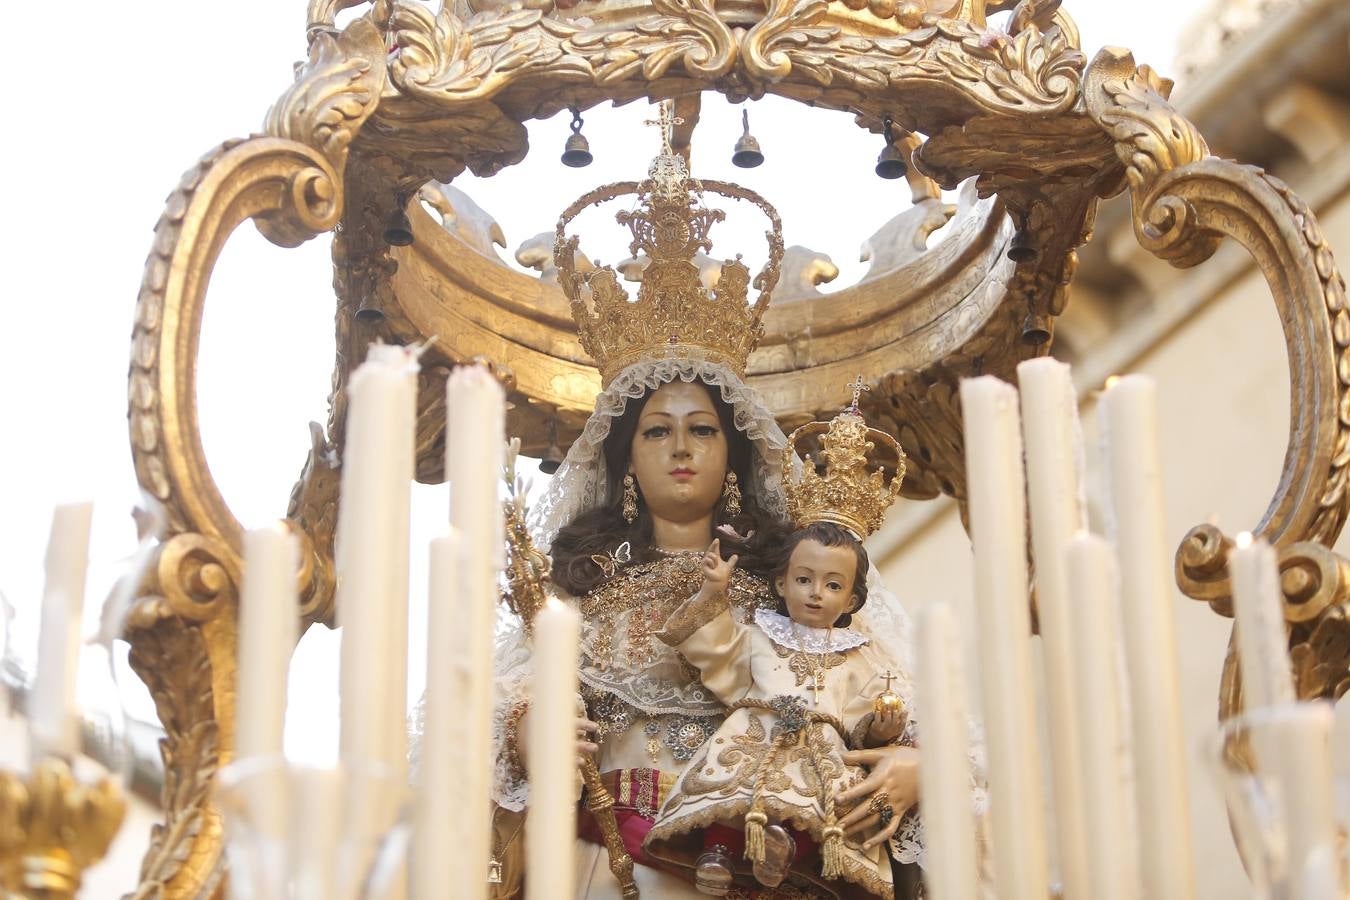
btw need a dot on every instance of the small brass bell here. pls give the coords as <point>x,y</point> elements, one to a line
<point>553,455</point>
<point>1020,249</point>
<point>1036,329</point>
<point>369,315</point>
<point>891,162</point>
<point>577,150</point>
<point>398,231</point>
<point>747,154</point>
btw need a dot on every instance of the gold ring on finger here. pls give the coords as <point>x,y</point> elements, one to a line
<point>880,800</point>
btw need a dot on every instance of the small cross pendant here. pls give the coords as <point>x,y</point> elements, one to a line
<point>817,683</point>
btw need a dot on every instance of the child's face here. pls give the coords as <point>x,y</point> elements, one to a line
<point>818,583</point>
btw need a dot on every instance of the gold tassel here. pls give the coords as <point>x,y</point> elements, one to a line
<point>755,820</point>
<point>832,853</point>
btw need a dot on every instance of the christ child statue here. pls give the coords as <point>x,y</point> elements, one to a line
<point>802,686</point>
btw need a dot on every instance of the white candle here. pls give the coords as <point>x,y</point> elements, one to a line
<point>998,534</point>
<point>1130,438</point>
<point>444,821</point>
<point>1102,749</point>
<point>371,557</point>
<point>53,720</point>
<point>475,455</point>
<point>1258,607</point>
<point>1300,736</point>
<point>944,758</point>
<point>552,735</point>
<point>268,630</point>
<point>1054,449</point>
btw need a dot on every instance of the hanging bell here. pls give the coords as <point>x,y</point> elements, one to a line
<point>369,314</point>
<point>577,150</point>
<point>1036,329</point>
<point>553,454</point>
<point>891,162</point>
<point>747,154</point>
<point>398,230</point>
<point>1020,249</point>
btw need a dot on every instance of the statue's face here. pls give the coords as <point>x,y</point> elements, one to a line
<point>679,453</point>
<point>818,584</point>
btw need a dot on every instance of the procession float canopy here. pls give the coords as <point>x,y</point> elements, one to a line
<point>404,97</point>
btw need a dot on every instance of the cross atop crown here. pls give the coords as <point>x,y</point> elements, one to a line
<point>858,386</point>
<point>666,120</point>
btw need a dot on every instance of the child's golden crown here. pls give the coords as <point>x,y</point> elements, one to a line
<point>674,316</point>
<point>846,491</point>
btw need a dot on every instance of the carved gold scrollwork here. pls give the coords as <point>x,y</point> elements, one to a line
<point>182,630</point>
<point>1185,202</point>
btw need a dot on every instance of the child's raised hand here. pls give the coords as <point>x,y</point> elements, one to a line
<point>717,571</point>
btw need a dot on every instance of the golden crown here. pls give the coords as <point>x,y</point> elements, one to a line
<point>674,315</point>
<point>846,492</point>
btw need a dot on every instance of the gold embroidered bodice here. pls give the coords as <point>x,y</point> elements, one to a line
<point>629,677</point>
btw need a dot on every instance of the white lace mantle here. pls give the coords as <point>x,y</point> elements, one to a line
<point>782,632</point>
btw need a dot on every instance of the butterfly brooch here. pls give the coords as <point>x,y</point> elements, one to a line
<point>609,564</point>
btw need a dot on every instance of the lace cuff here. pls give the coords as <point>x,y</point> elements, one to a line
<point>690,616</point>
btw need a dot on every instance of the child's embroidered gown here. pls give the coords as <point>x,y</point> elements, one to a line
<point>756,760</point>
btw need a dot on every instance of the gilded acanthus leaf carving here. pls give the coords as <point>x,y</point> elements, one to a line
<point>334,93</point>
<point>1131,104</point>
<point>171,657</point>
<point>768,46</point>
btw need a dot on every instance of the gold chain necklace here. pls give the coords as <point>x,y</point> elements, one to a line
<point>816,667</point>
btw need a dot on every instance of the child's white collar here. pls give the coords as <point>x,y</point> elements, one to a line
<point>780,630</point>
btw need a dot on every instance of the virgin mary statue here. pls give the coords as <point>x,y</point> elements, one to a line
<point>678,451</point>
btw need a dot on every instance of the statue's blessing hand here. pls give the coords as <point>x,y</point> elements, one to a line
<point>717,571</point>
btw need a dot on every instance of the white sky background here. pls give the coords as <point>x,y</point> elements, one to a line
<point>116,100</point>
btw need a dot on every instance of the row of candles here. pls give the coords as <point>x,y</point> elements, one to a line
<point>1119,789</point>
<point>1081,591</point>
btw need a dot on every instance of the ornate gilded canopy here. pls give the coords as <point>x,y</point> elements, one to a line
<point>404,95</point>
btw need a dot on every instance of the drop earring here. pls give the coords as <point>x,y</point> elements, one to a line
<point>629,498</point>
<point>731,490</point>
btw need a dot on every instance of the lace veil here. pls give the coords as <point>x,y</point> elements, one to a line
<point>580,484</point>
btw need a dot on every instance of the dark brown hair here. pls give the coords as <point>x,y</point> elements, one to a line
<point>600,530</point>
<point>826,534</point>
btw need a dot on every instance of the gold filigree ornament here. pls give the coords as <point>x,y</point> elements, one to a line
<point>844,490</point>
<point>674,315</point>
<point>52,828</point>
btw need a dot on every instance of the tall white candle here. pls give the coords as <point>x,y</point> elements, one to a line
<point>1130,437</point>
<point>53,721</point>
<point>444,822</point>
<point>371,556</point>
<point>1303,769</point>
<point>268,630</point>
<point>1258,607</point>
<point>1102,749</point>
<point>475,455</point>
<point>1054,458</point>
<point>998,534</point>
<point>944,757</point>
<point>551,732</point>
